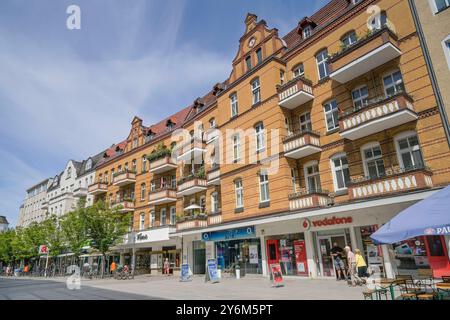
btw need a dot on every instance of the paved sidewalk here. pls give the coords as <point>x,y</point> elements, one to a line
<point>249,287</point>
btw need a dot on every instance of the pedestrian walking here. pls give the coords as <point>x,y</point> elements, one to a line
<point>360,264</point>
<point>166,266</point>
<point>113,268</point>
<point>351,265</point>
<point>337,253</point>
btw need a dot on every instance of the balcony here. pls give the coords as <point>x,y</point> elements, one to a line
<point>192,150</point>
<point>378,116</point>
<point>213,176</point>
<point>163,195</point>
<point>98,188</point>
<point>124,205</point>
<point>124,178</point>
<point>191,185</point>
<point>295,93</point>
<point>191,222</point>
<point>215,217</point>
<point>366,54</point>
<point>305,199</point>
<point>80,192</point>
<point>162,165</point>
<point>394,181</point>
<point>301,144</point>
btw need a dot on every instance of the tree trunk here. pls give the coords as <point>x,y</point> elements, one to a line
<point>103,264</point>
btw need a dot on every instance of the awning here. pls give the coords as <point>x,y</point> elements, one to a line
<point>430,216</point>
<point>192,207</point>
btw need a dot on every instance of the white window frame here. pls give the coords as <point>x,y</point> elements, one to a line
<point>298,71</point>
<point>331,111</point>
<point>144,164</point>
<point>446,48</point>
<point>394,84</point>
<point>323,61</point>
<point>239,193</point>
<point>234,105</point>
<point>306,122</point>
<point>433,6</point>
<point>282,75</point>
<point>294,179</point>
<point>143,187</point>
<point>263,181</point>
<point>236,147</point>
<point>152,218</point>
<point>377,21</point>
<point>342,167</point>
<point>172,215</point>
<point>361,98</point>
<point>162,214</point>
<point>371,145</point>
<point>307,165</point>
<point>402,136</point>
<point>348,36</point>
<point>260,137</point>
<point>214,202</point>
<point>256,91</point>
<point>142,221</point>
<point>307,31</point>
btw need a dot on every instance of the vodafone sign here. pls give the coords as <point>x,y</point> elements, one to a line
<point>306,223</point>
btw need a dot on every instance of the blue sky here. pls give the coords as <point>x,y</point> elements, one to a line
<point>67,94</point>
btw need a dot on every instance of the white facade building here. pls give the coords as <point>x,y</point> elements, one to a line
<point>4,225</point>
<point>34,207</point>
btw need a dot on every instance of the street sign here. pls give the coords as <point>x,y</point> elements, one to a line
<point>43,249</point>
<point>185,272</point>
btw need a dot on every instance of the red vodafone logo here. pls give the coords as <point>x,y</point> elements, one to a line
<point>306,224</point>
<point>332,221</point>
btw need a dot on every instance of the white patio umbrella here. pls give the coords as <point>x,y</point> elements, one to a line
<point>192,207</point>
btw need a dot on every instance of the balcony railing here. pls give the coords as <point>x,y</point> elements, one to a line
<point>191,222</point>
<point>215,217</point>
<point>367,53</point>
<point>193,149</point>
<point>309,199</point>
<point>190,185</point>
<point>124,205</point>
<point>393,181</point>
<point>124,178</point>
<point>213,176</point>
<point>295,93</point>
<point>98,188</point>
<point>301,144</point>
<point>162,165</point>
<point>378,116</point>
<point>163,195</point>
<point>80,192</point>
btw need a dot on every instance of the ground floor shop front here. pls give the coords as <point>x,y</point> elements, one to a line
<point>302,244</point>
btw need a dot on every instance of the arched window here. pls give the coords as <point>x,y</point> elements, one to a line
<point>260,136</point>
<point>143,191</point>
<point>298,71</point>
<point>142,221</point>
<point>348,39</point>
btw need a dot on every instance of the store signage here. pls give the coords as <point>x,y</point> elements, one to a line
<point>141,237</point>
<point>306,224</point>
<point>212,274</point>
<point>231,234</point>
<point>185,272</point>
<point>43,249</point>
<point>300,257</point>
<point>277,277</point>
<point>438,230</point>
<point>331,221</point>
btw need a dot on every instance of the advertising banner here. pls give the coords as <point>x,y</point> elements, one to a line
<point>277,277</point>
<point>253,252</point>
<point>300,257</point>
<point>212,274</point>
<point>231,234</point>
<point>185,272</point>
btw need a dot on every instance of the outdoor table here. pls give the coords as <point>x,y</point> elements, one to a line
<point>443,286</point>
<point>388,283</point>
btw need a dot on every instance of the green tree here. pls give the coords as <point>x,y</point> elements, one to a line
<point>106,227</point>
<point>74,229</point>
<point>6,246</point>
<point>53,236</point>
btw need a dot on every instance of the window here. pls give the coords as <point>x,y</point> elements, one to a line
<point>259,55</point>
<point>256,91</point>
<point>248,63</point>
<point>373,160</point>
<point>202,204</point>
<point>356,1</point>
<point>143,191</point>
<point>152,218</point>
<point>312,176</point>
<point>152,185</point>
<point>135,143</point>
<point>307,31</point>
<point>408,151</point>
<point>106,177</point>
<point>349,39</point>
<point>263,187</point>
<point>281,77</point>
<point>393,84</point>
<point>69,172</point>
<point>236,148</point>
<point>360,97</point>
<point>287,125</point>
<point>446,47</point>
<point>173,182</point>
<point>442,4</point>
<point>378,21</point>
<point>299,71</point>
<point>112,174</point>
<point>162,217</point>
<point>322,63</point>
<point>331,115</point>
<point>88,165</point>
<point>173,215</point>
<point>214,202</point>
<point>234,105</point>
<point>133,165</point>
<point>144,163</point>
<point>239,192</point>
<point>260,137</point>
<point>294,178</point>
<point>142,221</point>
<point>212,123</point>
<point>305,122</point>
<point>341,174</point>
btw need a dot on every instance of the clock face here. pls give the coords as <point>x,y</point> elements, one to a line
<point>251,42</point>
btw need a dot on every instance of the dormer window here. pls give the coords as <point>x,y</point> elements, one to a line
<point>169,125</point>
<point>88,165</point>
<point>150,135</point>
<point>306,32</point>
<point>198,105</point>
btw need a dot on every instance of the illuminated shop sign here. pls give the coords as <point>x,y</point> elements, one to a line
<point>231,234</point>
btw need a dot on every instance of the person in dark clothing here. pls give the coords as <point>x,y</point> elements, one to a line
<point>336,253</point>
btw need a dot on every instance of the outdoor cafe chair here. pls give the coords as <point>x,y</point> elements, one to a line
<point>408,289</point>
<point>369,294</point>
